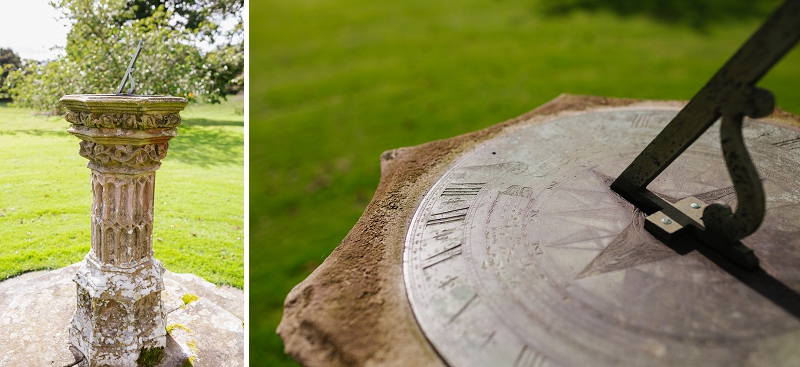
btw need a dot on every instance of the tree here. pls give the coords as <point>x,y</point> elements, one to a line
<point>9,61</point>
<point>193,15</point>
<point>102,40</point>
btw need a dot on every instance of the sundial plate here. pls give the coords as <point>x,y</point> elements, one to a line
<point>521,255</point>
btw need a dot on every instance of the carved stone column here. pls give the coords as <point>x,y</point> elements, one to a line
<point>119,311</point>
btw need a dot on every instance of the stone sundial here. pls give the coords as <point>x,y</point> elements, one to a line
<point>588,232</point>
<point>119,306</point>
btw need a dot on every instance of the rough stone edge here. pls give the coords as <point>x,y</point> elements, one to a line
<point>353,309</point>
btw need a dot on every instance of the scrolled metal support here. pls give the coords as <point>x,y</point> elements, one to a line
<point>730,94</point>
<point>128,77</point>
<point>719,219</point>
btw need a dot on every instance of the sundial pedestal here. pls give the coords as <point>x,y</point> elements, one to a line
<point>123,294</point>
<point>120,312</point>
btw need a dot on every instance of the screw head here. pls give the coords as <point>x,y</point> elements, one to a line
<point>666,220</point>
<point>695,206</point>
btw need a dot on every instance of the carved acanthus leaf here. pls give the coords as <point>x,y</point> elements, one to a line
<point>123,155</point>
<point>123,120</point>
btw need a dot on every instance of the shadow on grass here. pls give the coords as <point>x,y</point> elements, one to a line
<point>208,122</point>
<point>39,133</point>
<point>698,14</point>
<point>206,147</point>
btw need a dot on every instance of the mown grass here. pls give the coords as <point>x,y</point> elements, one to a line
<point>335,83</point>
<point>199,199</point>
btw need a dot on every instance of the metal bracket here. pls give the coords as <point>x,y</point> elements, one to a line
<point>129,73</point>
<point>732,95</point>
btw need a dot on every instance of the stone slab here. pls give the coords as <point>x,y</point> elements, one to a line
<point>36,308</point>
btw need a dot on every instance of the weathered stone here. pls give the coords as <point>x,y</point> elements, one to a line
<point>189,324</point>
<point>35,311</point>
<point>227,297</point>
<point>120,311</point>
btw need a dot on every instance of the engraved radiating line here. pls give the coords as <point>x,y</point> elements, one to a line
<point>790,144</point>
<point>488,339</point>
<point>627,250</point>
<point>464,307</point>
<point>452,218</point>
<point>565,244</point>
<point>581,221</point>
<point>591,212</point>
<point>442,256</point>
<point>529,358</point>
<point>586,199</point>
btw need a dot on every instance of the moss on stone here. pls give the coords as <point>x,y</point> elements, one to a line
<point>150,357</point>
<point>189,362</point>
<point>171,327</point>
<point>189,298</point>
<point>193,345</point>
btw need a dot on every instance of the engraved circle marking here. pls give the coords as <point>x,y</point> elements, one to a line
<point>521,256</point>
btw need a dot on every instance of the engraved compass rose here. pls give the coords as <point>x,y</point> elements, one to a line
<point>523,252</point>
<point>632,247</point>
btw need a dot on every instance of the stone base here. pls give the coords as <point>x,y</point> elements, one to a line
<point>36,308</point>
<point>110,299</point>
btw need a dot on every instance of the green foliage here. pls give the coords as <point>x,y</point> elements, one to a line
<point>150,357</point>
<point>101,43</point>
<point>9,61</point>
<point>194,15</point>
<point>228,63</point>
<point>201,17</point>
<point>199,197</point>
<point>334,84</point>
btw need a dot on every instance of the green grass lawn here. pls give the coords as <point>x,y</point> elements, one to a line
<point>335,83</point>
<point>199,198</point>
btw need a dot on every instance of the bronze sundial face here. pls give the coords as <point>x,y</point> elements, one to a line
<point>521,254</point>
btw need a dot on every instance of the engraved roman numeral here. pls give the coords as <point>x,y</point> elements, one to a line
<point>529,358</point>
<point>461,310</point>
<point>448,282</point>
<point>463,189</point>
<point>790,144</point>
<point>442,256</point>
<point>537,249</point>
<point>449,216</point>
<point>443,235</point>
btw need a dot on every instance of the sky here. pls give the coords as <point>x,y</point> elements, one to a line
<point>31,28</point>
